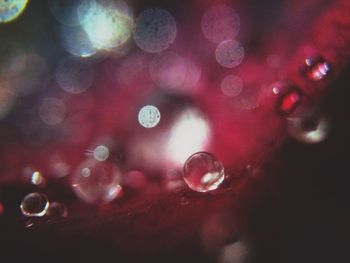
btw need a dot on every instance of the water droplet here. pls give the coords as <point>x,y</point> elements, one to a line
<point>203,172</point>
<point>57,210</point>
<point>34,204</point>
<point>10,10</point>
<point>308,127</point>
<point>229,53</point>
<point>101,153</point>
<point>149,116</point>
<point>220,23</point>
<point>155,30</point>
<point>96,182</point>
<point>316,68</point>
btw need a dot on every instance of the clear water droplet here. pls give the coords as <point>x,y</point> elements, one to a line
<point>34,204</point>
<point>57,210</point>
<point>316,68</point>
<point>97,182</point>
<point>203,172</point>
<point>308,127</point>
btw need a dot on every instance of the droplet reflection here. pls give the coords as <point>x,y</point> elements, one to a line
<point>203,172</point>
<point>34,204</point>
<point>96,182</point>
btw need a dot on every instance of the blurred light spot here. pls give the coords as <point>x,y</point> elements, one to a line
<point>11,9</point>
<point>130,69</point>
<point>149,116</point>
<point>189,134</point>
<point>229,53</point>
<point>316,68</point>
<point>135,179</point>
<point>76,42</point>
<point>2,208</point>
<point>107,23</point>
<point>38,179</point>
<point>74,76</point>
<point>7,101</point>
<point>273,61</point>
<point>57,211</point>
<point>34,204</point>
<point>58,167</point>
<point>308,127</point>
<point>168,70</point>
<point>231,86</point>
<point>155,30</point>
<point>22,71</point>
<point>96,182</point>
<point>233,253</point>
<point>66,11</point>
<point>34,177</point>
<point>220,23</point>
<point>101,153</point>
<point>52,111</point>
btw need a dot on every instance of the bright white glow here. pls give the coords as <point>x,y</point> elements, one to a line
<point>107,24</point>
<point>189,134</point>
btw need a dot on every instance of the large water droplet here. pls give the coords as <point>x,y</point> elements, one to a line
<point>308,127</point>
<point>96,182</point>
<point>57,210</point>
<point>203,172</point>
<point>34,204</point>
<point>316,68</point>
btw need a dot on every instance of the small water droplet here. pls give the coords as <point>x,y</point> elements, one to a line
<point>308,127</point>
<point>57,210</point>
<point>203,172</point>
<point>97,182</point>
<point>34,204</point>
<point>316,68</point>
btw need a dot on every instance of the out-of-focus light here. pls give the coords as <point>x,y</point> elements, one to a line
<point>101,153</point>
<point>155,30</point>
<point>220,23</point>
<point>234,253</point>
<point>66,11</point>
<point>52,111</point>
<point>76,42</point>
<point>231,86</point>
<point>189,134</point>
<point>10,10</point>
<point>149,116</point>
<point>107,23</point>
<point>7,101</point>
<point>74,76</point>
<point>229,53</point>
